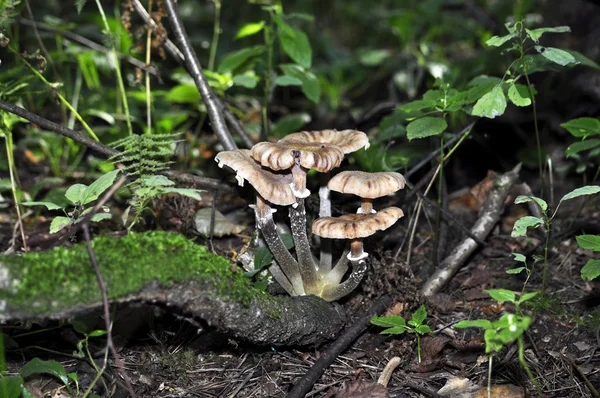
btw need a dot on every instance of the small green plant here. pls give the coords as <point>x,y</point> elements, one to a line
<point>80,196</point>
<point>524,223</point>
<point>591,270</point>
<point>586,151</point>
<point>396,324</point>
<point>506,330</point>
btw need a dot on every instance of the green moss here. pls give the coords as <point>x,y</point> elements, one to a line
<point>64,277</point>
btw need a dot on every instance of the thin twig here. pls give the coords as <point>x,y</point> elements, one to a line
<point>213,106</point>
<point>359,326</point>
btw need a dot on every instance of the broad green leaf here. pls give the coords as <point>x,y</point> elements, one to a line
<point>262,258</point>
<point>419,315</point>
<point>183,94</point>
<point>519,257</point>
<point>101,216</point>
<point>514,271</point>
<point>591,270</point>
<point>582,127</point>
<point>497,41</point>
<point>521,225</point>
<point>290,123</point>
<point>188,192</point>
<point>491,104</point>
<point>373,57</point>
<point>311,87</point>
<point>581,146</point>
<point>12,386</point>
<point>388,321</point>
<point>425,127</point>
<point>49,205</point>
<point>535,34</point>
<point>518,95</point>
<point>417,105</point>
<point>590,242</point>
<point>98,187</point>
<point>245,81</point>
<point>423,329</point>
<point>37,366</point>
<point>76,192</point>
<point>527,297</point>
<point>583,60</point>
<point>478,323</point>
<point>287,81</point>
<point>502,295</point>
<point>525,198</point>
<point>395,330</point>
<point>156,180</point>
<point>59,223</point>
<point>234,60</point>
<point>587,190</point>
<point>556,55</point>
<point>249,29</point>
<point>295,43</point>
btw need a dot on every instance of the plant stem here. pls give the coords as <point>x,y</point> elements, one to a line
<point>216,32</point>
<point>13,184</point>
<point>489,381</point>
<point>526,367</point>
<point>269,40</point>
<point>148,93</point>
<point>546,244</point>
<point>419,347</point>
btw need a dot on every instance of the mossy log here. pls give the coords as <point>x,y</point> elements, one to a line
<point>164,269</point>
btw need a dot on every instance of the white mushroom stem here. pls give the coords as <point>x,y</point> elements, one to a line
<point>332,293</point>
<point>366,206</point>
<point>325,259</point>
<point>288,265</point>
<point>334,277</point>
<point>306,262</point>
<point>299,182</point>
<point>356,250</point>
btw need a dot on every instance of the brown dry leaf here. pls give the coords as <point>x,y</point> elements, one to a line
<point>362,389</point>
<point>396,309</point>
<point>482,189</point>
<point>502,391</point>
<point>433,346</point>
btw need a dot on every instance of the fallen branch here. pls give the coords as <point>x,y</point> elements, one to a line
<point>490,215</point>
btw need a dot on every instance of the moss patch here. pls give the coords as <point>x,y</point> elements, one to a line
<point>42,283</point>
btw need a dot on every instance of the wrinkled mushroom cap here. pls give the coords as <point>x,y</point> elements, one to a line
<point>348,140</point>
<point>312,155</point>
<point>367,185</point>
<point>352,226</point>
<point>273,187</point>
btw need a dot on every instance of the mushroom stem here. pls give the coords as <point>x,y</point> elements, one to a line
<point>332,293</point>
<point>306,262</point>
<point>325,259</point>
<point>334,277</point>
<point>299,183</point>
<point>287,263</point>
<point>356,250</point>
<point>366,206</point>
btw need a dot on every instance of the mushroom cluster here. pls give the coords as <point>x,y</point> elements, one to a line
<point>278,171</point>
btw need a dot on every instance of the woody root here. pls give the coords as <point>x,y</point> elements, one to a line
<point>278,173</point>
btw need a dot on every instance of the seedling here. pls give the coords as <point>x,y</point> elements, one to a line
<point>396,324</point>
<point>13,386</point>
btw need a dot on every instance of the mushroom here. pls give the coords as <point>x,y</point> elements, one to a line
<point>367,186</point>
<point>348,140</point>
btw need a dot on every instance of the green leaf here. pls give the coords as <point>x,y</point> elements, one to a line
<point>502,295</point>
<point>417,105</point>
<point>583,60</point>
<point>188,192</point>
<point>75,193</point>
<point>581,146</point>
<point>12,386</point>
<point>388,321</point>
<point>497,41</point>
<point>527,297</point>
<point>234,60</point>
<point>373,57</point>
<point>420,315</point>
<point>262,257</point>
<point>491,104</point>
<point>310,84</point>
<point>591,270</point>
<point>183,94</point>
<point>395,330</point>
<point>245,81</point>
<point>59,223</point>
<point>98,187</point>
<point>249,29</point>
<point>521,225</point>
<point>514,271</point>
<point>295,43</point>
<point>287,81</point>
<point>535,34</point>
<point>590,242</point>
<point>478,323</point>
<point>96,333</point>
<point>525,198</point>
<point>425,127</point>
<point>49,205</point>
<point>556,55</point>
<point>290,123</point>
<point>587,190</point>
<point>519,95</point>
<point>37,366</point>
<point>101,216</point>
<point>582,127</point>
<point>423,329</point>
<point>519,257</point>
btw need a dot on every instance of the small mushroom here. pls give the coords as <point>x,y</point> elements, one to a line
<point>348,140</point>
<point>367,186</point>
<point>356,227</point>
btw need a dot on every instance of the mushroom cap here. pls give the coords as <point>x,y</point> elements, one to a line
<point>352,226</point>
<point>347,140</point>
<point>367,185</point>
<point>272,186</point>
<point>312,155</point>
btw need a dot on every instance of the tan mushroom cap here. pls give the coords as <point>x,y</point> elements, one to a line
<point>348,140</point>
<point>273,187</point>
<point>353,226</point>
<point>367,185</point>
<point>312,155</point>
